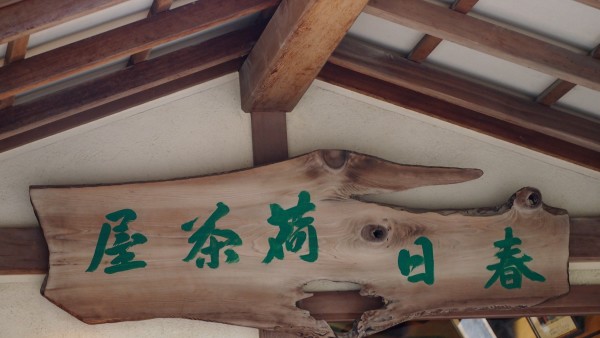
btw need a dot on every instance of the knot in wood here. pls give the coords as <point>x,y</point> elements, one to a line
<point>334,159</point>
<point>374,233</point>
<point>528,198</point>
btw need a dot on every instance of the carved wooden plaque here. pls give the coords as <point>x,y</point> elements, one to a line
<point>238,247</point>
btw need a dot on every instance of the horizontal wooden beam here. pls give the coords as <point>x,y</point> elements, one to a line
<point>467,118</point>
<point>122,42</point>
<point>491,39</point>
<point>345,306</point>
<point>22,123</point>
<point>391,67</point>
<point>289,54</point>
<point>19,18</point>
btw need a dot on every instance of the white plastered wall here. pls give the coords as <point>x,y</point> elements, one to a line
<point>202,131</point>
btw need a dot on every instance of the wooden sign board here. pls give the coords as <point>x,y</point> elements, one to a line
<point>238,247</point>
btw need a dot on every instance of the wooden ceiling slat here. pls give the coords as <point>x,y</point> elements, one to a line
<point>49,109</point>
<point>27,17</point>
<point>560,88</point>
<point>15,51</point>
<point>295,45</point>
<point>428,43</point>
<point>386,65</point>
<point>467,118</point>
<point>554,92</point>
<point>123,41</point>
<point>489,38</point>
<point>158,6</point>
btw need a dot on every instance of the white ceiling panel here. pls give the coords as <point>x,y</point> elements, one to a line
<point>583,100</point>
<point>83,23</point>
<point>566,21</point>
<point>385,33</point>
<point>488,68</point>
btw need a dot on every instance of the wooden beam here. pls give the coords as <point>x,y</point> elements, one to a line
<point>428,43</point>
<point>387,65</point>
<point>491,39</point>
<point>345,306</point>
<point>292,50</point>
<point>560,87</point>
<point>15,51</point>
<point>27,17</point>
<point>123,41</point>
<point>18,122</point>
<point>269,137</point>
<point>592,3</point>
<point>554,92</point>
<point>112,107</point>
<point>458,115</point>
<point>23,251</point>
<point>158,6</point>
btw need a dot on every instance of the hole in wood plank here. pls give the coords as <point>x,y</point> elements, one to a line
<point>339,306</point>
<point>528,198</point>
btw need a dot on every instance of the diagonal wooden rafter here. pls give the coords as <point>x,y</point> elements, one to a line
<point>27,17</point>
<point>295,45</point>
<point>560,88</point>
<point>592,3</point>
<point>384,64</point>
<point>491,39</point>
<point>428,43</point>
<point>123,41</point>
<point>29,121</point>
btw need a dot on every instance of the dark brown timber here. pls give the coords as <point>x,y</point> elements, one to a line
<point>560,87</point>
<point>489,38</point>
<point>592,3</point>
<point>458,115</point>
<point>158,6</point>
<point>123,41</point>
<point>15,51</point>
<point>26,17</point>
<point>428,43</point>
<point>18,121</point>
<point>269,137</point>
<point>391,67</point>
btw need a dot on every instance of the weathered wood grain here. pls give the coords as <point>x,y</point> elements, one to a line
<point>289,54</point>
<point>359,242</point>
<point>491,39</point>
<point>123,41</point>
<point>384,64</point>
<point>19,18</point>
<point>468,118</point>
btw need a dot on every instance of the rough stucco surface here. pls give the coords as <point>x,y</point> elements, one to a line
<point>203,130</point>
<point>26,314</point>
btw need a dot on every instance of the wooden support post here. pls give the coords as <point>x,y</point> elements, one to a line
<point>269,137</point>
